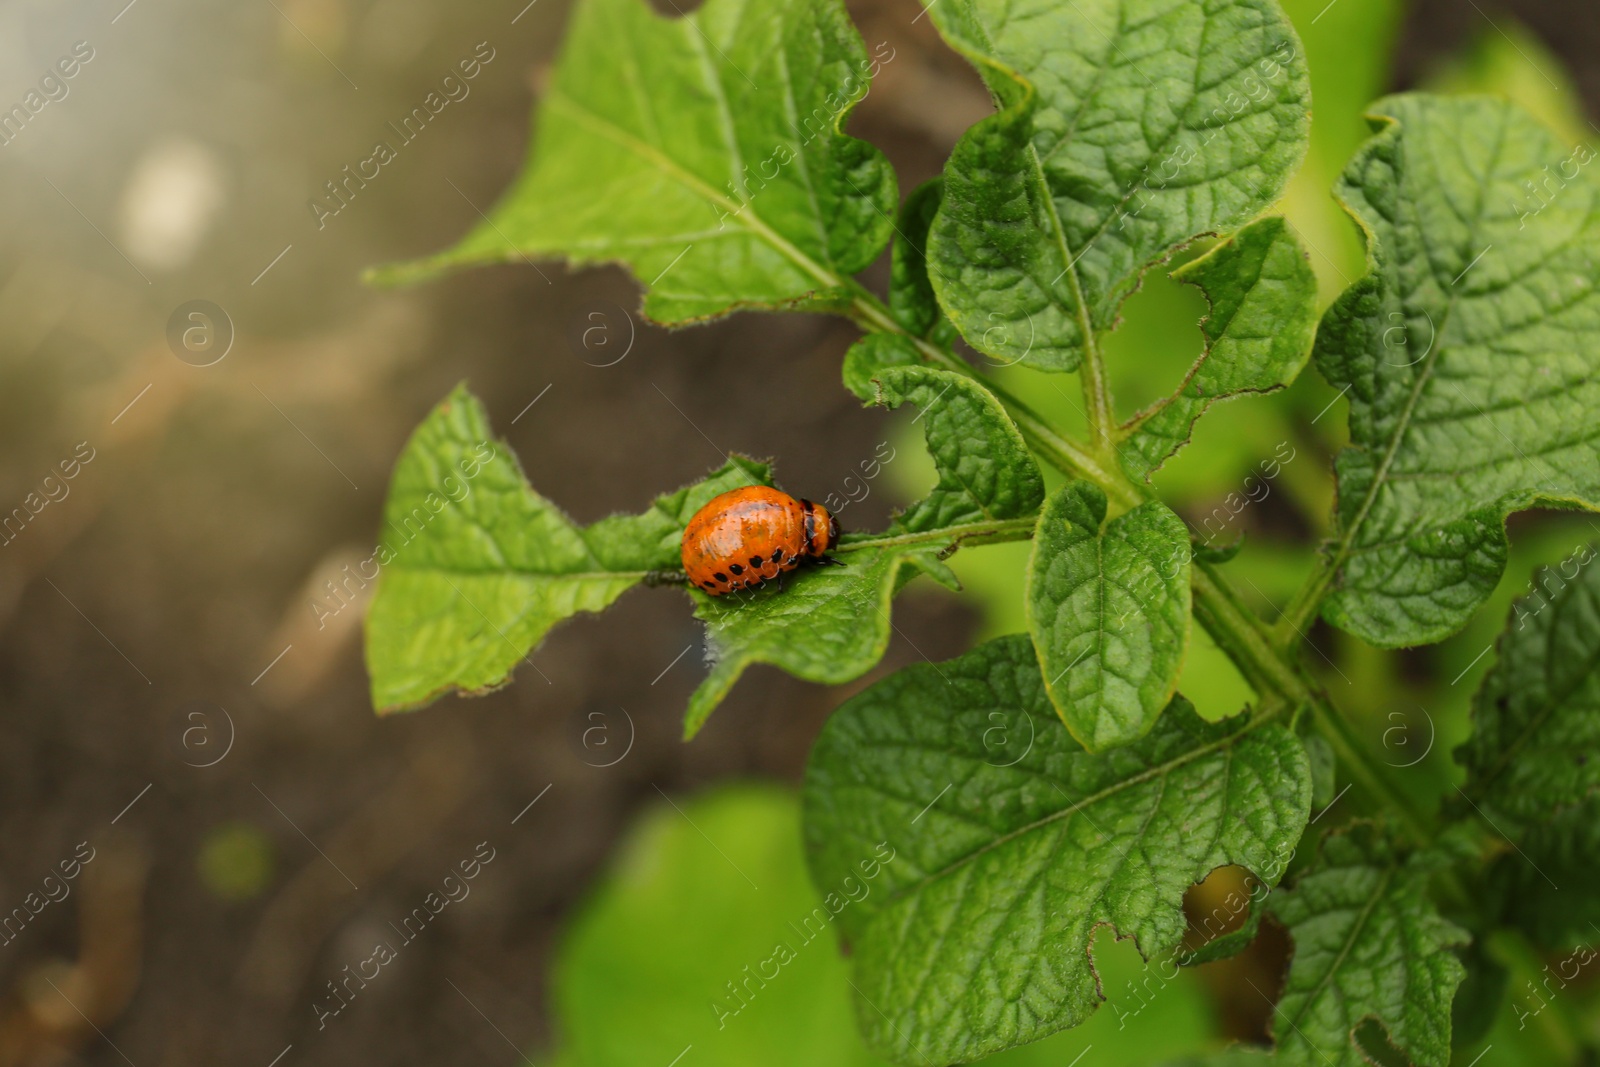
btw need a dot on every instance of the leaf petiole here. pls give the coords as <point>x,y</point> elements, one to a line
<point>868,312</point>
<point>953,536</point>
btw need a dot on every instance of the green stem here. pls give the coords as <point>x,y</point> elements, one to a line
<point>992,532</point>
<point>868,312</point>
<point>1263,655</point>
<point>1374,779</point>
<point>1307,601</point>
<point>1097,398</point>
<point>1241,636</point>
<point>1268,668</point>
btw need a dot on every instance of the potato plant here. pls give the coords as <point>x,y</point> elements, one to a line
<point>707,154</point>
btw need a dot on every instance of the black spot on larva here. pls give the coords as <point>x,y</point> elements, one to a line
<point>735,568</point>
<point>777,557</point>
<point>719,576</point>
<point>710,587</point>
<point>756,561</point>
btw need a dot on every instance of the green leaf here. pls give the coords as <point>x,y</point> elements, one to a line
<point>1535,746</point>
<point>1368,944</point>
<point>1125,129</point>
<point>832,624</point>
<point>870,356</point>
<point>640,975</point>
<point>1108,608</point>
<point>985,468</point>
<point>823,624</point>
<point>1324,768</point>
<point>705,152</point>
<point>476,567</point>
<point>911,298</point>
<point>1466,357</point>
<point>1006,861</point>
<point>1549,887</point>
<point>1263,297</point>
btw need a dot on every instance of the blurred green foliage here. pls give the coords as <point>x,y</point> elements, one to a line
<point>697,894</point>
<point>1507,59</point>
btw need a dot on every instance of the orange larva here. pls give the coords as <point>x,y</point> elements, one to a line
<point>748,536</point>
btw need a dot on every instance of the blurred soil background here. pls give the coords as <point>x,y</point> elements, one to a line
<point>167,694</point>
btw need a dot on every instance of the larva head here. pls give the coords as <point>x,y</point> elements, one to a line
<point>822,529</point>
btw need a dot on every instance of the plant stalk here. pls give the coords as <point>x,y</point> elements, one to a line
<point>991,532</point>
<point>1065,455</point>
<point>1307,600</point>
<point>1097,397</point>
<point>1373,779</point>
<point>1264,655</point>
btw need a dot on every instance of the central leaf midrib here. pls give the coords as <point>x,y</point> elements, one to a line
<point>1142,777</point>
<point>1344,952</point>
<point>804,167</point>
<point>740,213</point>
<point>1542,716</point>
<point>1403,422</point>
<point>1069,264</point>
<point>719,95</point>
<point>960,482</point>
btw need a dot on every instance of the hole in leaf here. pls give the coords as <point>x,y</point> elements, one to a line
<point>1374,1042</point>
<point>1150,352</point>
<point>1219,905</point>
<point>1244,988</point>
